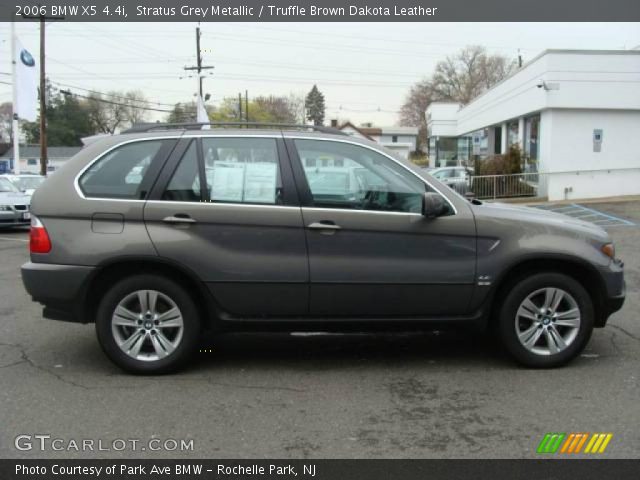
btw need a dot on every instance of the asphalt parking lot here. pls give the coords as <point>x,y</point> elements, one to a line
<point>353,396</point>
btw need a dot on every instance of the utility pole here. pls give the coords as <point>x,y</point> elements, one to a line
<point>246,105</point>
<point>199,67</point>
<point>43,102</point>
<point>15,126</point>
<point>239,106</point>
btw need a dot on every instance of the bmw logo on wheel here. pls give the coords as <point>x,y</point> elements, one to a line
<point>27,59</point>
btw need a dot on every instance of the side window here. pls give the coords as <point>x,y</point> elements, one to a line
<point>119,173</point>
<point>242,170</point>
<point>358,178</point>
<point>184,185</point>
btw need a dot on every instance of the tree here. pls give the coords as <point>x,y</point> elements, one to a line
<point>67,122</point>
<point>105,112</point>
<point>182,112</point>
<point>6,120</point>
<point>459,78</point>
<point>413,112</point>
<point>315,107</point>
<point>114,110</point>
<point>134,99</point>
<point>273,109</point>
<point>469,73</point>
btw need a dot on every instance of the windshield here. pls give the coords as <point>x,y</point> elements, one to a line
<point>7,186</point>
<point>28,183</point>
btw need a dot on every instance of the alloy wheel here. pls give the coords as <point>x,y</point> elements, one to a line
<point>147,325</point>
<point>547,321</point>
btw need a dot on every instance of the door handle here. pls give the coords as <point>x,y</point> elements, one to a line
<point>324,225</point>
<point>178,218</point>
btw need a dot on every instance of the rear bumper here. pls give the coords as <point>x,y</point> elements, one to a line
<point>59,288</point>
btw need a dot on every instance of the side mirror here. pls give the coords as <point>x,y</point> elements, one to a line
<point>432,205</point>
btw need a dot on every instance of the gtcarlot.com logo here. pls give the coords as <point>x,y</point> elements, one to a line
<point>574,443</point>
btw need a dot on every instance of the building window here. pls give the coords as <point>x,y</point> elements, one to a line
<point>32,161</point>
<point>512,133</point>
<point>531,143</point>
<point>394,139</point>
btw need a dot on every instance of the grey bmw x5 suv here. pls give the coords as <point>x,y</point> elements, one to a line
<point>164,232</point>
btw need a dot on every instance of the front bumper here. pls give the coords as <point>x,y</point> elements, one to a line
<point>59,288</point>
<point>14,218</point>
<point>613,277</point>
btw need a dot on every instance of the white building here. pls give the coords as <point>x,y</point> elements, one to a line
<point>30,158</point>
<point>575,114</point>
<point>401,140</point>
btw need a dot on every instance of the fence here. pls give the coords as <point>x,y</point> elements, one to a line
<point>507,186</point>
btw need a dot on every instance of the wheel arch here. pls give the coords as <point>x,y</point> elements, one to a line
<point>576,268</point>
<point>108,273</point>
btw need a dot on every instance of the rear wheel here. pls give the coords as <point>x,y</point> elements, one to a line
<point>546,320</point>
<point>147,324</point>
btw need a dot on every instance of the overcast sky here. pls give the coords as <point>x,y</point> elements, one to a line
<point>363,69</point>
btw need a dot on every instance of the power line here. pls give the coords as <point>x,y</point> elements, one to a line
<point>101,100</point>
<point>113,95</point>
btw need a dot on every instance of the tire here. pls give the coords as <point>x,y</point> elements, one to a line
<point>551,340</point>
<point>153,344</point>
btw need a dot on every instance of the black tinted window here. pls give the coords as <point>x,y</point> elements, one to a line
<point>119,173</point>
<point>185,183</point>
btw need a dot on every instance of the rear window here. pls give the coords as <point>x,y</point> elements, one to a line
<point>120,172</point>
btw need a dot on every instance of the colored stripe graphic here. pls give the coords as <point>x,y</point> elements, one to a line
<point>572,443</point>
<point>551,442</point>
<point>598,443</point>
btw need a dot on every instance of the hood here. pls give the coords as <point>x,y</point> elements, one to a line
<point>17,198</point>
<point>541,217</point>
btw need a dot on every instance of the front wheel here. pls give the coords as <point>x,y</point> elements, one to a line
<point>546,320</point>
<point>147,324</point>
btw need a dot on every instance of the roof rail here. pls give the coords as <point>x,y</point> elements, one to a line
<point>148,127</point>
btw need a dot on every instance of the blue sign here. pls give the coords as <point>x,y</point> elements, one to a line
<point>26,58</point>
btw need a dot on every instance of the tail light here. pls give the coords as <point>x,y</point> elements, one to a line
<point>39,241</point>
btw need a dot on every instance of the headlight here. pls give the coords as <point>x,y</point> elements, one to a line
<point>609,250</point>
<point>5,208</point>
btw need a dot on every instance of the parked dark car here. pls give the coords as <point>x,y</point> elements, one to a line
<point>162,233</point>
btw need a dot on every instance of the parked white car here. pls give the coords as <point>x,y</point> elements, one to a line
<point>455,177</point>
<point>27,183</point>
<point>14,205</point>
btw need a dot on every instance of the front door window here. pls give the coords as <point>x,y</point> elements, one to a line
<point>347,176</point>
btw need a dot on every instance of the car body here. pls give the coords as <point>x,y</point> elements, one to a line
<point>154,259</point>
<point>14,205</point>
<point>458,178</point>
<point>27,183</point>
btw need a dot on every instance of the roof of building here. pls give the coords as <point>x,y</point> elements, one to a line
<point>399,130</point>
<point>364,131</point>
<point>33,151</point>
<point>370,132</point>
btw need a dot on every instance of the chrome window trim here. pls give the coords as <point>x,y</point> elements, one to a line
<point>194,134</point>
<point>223,204</point>
<point>295,137</point>
<point>204,134</point>
<point>354,210</point>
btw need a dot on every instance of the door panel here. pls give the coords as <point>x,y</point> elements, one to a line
<point>371,252</point>
<point>381,264</point>
<point>252,256</point>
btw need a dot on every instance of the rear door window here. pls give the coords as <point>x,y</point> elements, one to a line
<point>119,174</point>
<point>242,170</point>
